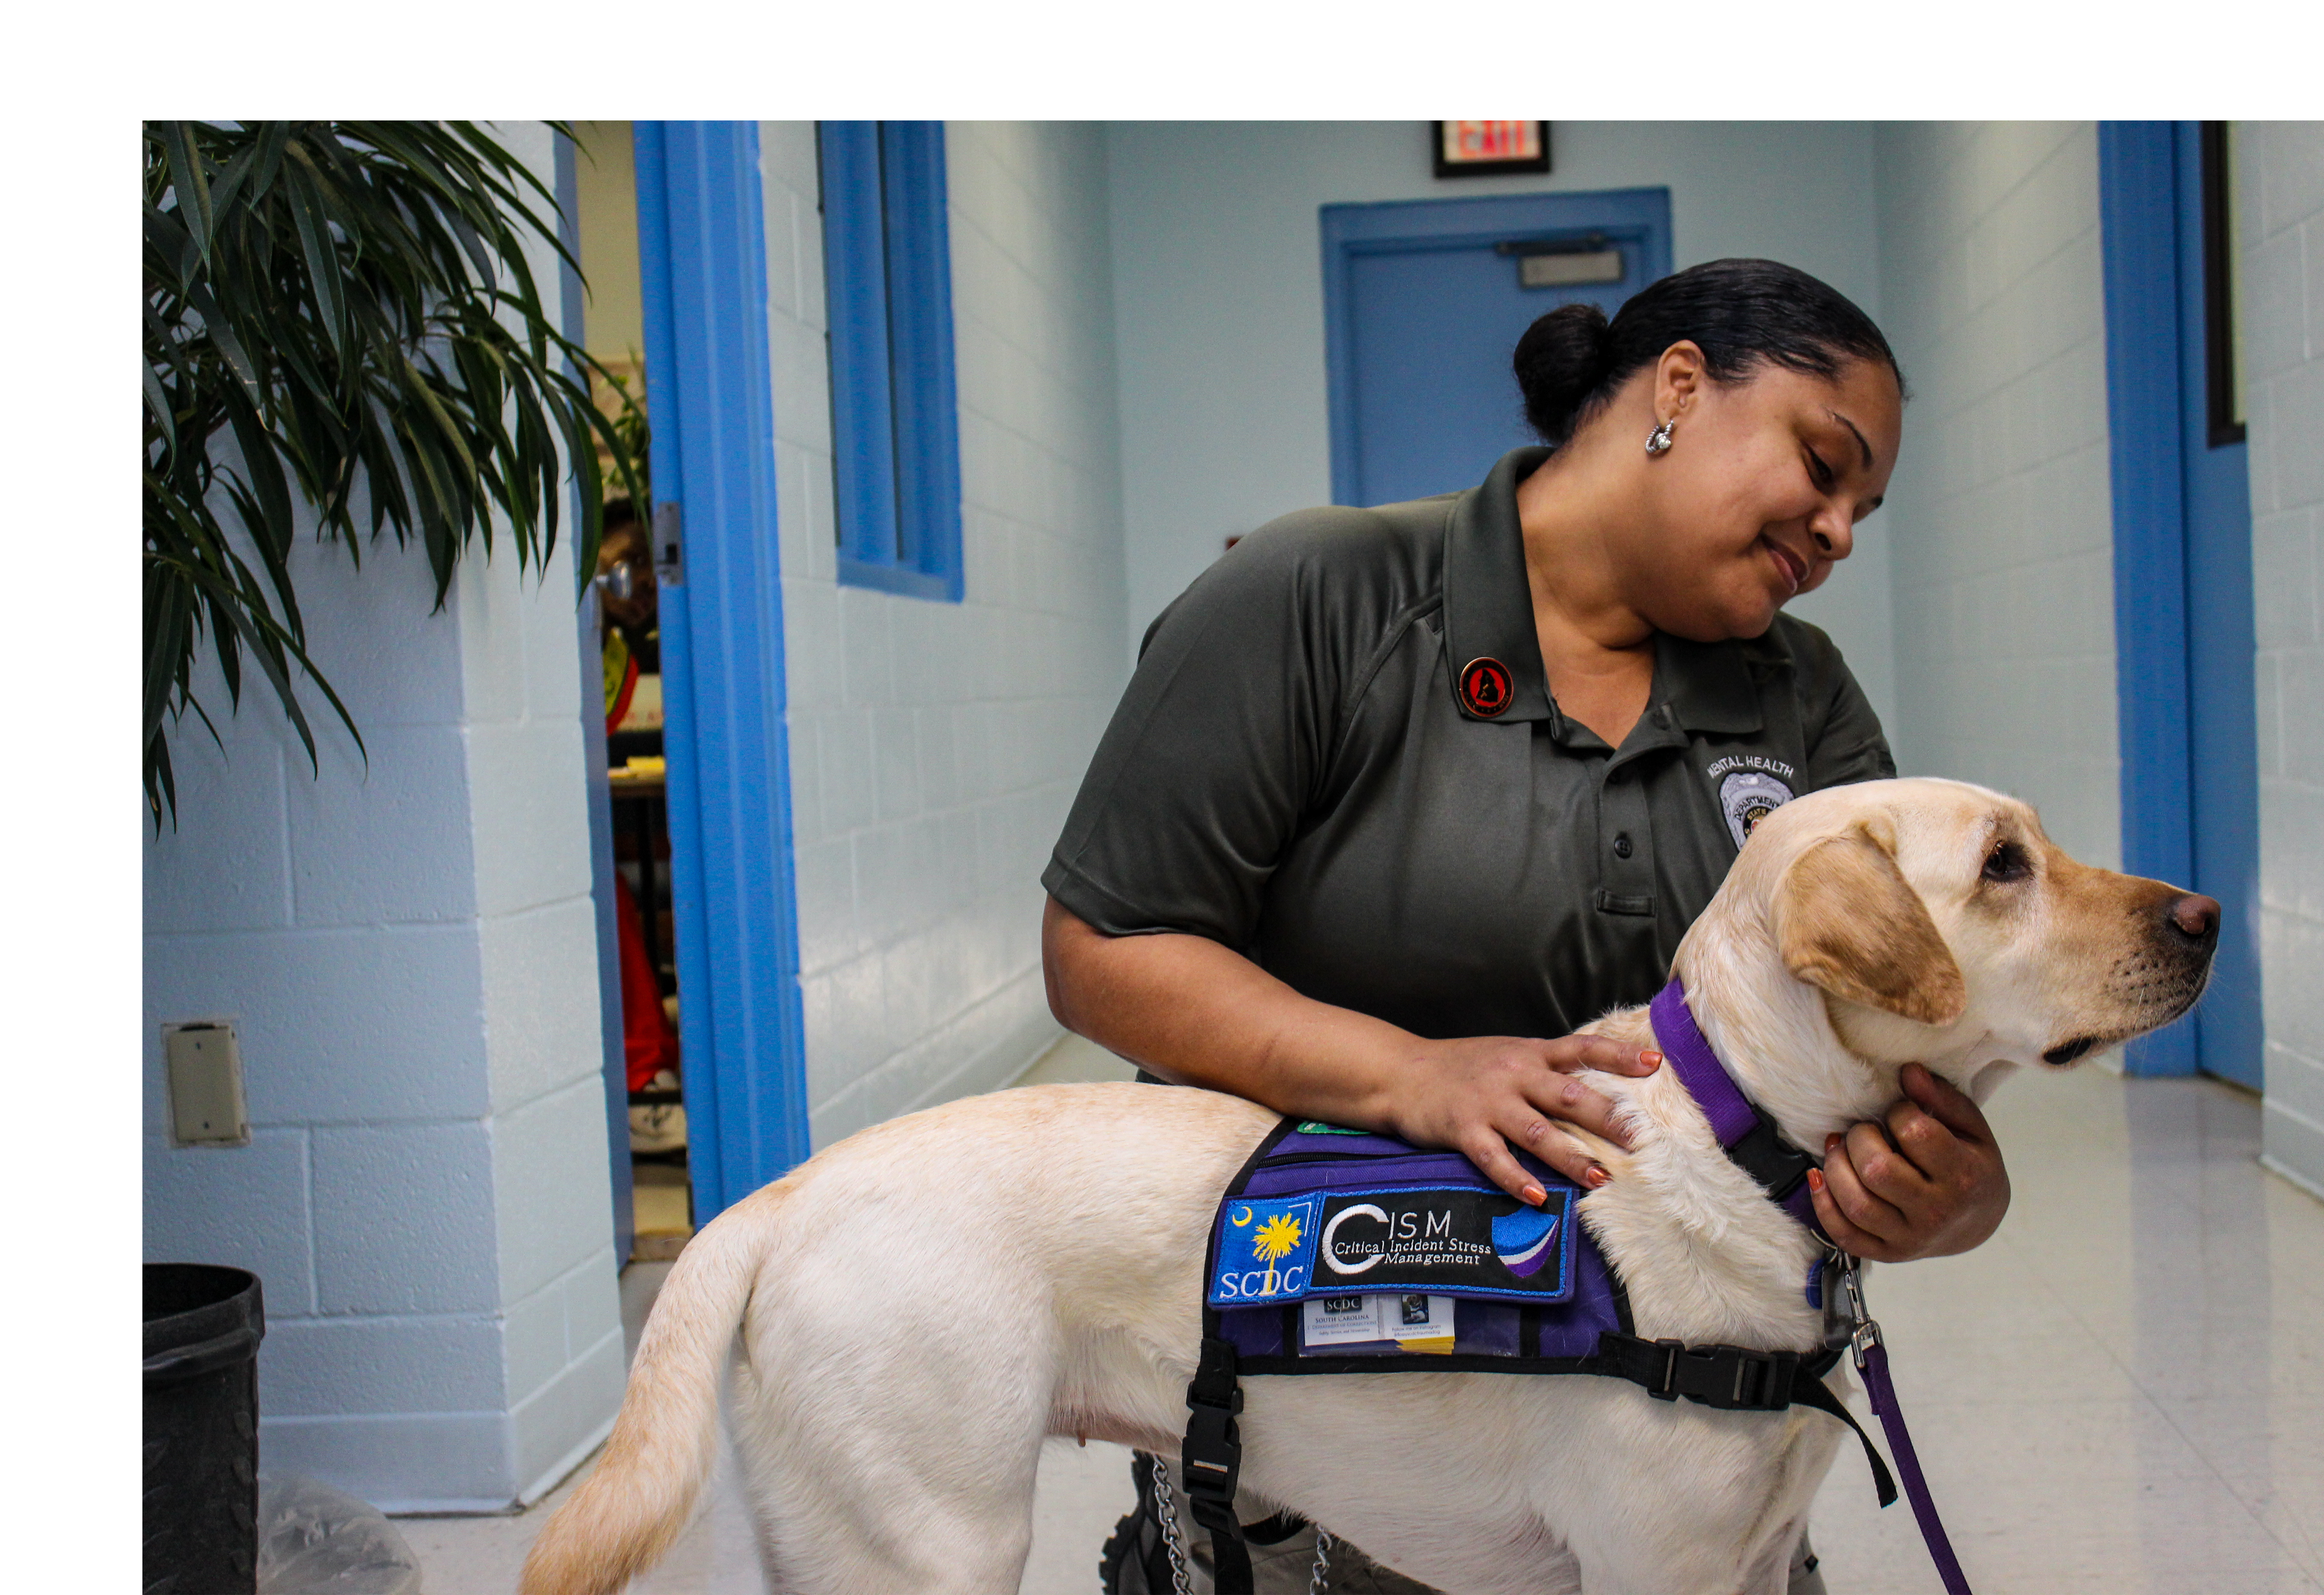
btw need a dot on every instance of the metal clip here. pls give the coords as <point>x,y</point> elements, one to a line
<point>1865,1334</point>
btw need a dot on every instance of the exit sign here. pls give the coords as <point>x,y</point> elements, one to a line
<point>1485,149</point>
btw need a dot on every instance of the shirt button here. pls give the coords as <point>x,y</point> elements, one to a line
<point>1622,845</point>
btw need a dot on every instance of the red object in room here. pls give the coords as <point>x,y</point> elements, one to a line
<point>619,710</point>
<point>651,1042</point>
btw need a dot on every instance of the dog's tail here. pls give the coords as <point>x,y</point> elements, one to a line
<point>642,1495</point>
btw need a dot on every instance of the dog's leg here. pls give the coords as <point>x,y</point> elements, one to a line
<point>876,1462</point>
<point>1675,1498</point>
<point>943,1504</point>
<point>940,1508</point>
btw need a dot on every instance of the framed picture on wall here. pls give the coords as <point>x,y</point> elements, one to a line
<point>1488,149</point>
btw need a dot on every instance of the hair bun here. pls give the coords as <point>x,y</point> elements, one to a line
<point>1560,363</point>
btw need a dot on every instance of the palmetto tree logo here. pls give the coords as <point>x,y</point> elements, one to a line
<point>1276,1239</point>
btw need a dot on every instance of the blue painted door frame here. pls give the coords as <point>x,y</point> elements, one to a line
<point>2183,628</point>
<point>703,271</point>
<point>1445,247</point>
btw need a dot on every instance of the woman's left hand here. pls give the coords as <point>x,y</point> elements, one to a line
<point>1927,1182</point>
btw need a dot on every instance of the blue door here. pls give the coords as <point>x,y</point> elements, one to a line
<point>1425,301</point>
<point>2221,716</point>
<point>2184,629</point>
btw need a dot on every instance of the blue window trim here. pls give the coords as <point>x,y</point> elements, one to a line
<point>894,390</point>
<point>702,272</point>
<point>1640,218</point>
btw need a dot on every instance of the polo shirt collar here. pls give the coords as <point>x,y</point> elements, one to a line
<point>1488,615</point>
<point>1488,600</point>
<point>1708,685</point>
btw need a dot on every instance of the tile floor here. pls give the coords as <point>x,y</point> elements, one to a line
<point>2123,1391</point>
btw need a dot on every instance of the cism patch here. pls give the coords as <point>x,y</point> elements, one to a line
<point>1430,1240</point>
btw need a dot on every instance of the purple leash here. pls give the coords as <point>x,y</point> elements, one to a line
<point>1745,1131</point>
<point>1871,1355</point>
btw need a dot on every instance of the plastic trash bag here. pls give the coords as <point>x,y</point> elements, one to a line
<point>313,1540</point>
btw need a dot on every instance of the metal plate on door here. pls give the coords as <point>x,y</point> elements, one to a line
<point>1569,271</point>
<point>668,544</point>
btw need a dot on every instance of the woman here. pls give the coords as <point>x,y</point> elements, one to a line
<point>1396,797</point>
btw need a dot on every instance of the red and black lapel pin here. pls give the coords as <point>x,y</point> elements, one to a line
<point>1485,688</point>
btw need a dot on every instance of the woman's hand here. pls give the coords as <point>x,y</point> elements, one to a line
<point>1483,1094</point>
<point>1198,1013</point>
<point>1928,1181</point>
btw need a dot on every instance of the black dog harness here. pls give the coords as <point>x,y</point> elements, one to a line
<point>1342,1251</point>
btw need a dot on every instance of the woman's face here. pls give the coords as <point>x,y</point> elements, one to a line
<point>625,546</point>
<point>1759,493</point>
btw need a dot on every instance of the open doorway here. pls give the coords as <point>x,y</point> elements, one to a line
<point>629,644</point>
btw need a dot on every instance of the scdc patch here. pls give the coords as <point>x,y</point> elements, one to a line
<point>1267,1250</point>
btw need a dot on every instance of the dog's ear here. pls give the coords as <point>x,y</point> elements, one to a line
<point>1846,921</point>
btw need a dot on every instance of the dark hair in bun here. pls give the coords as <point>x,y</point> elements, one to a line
<point>1742,313</point>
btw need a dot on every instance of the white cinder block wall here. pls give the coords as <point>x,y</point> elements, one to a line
<point>2280,191</point>
<point>410,956</point>
<point>1999,517</point>
<point>935,747</point>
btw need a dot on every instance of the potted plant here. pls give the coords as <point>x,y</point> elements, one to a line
<point>339,313</point>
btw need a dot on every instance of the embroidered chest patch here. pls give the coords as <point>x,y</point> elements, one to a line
<point>1747,796</point>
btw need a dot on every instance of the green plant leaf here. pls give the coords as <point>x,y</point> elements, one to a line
<point>192,184</point>
<point>351,303</point>
<point>315,243</point>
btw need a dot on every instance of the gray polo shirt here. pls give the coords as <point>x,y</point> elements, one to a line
<point>1339,756</point>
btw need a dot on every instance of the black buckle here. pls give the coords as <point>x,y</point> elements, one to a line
<point>1196,1403</point>
<point>1211,1456</point>
<point>1763,1154</point>
<point>1733,1378</point>
<point>1665,1386</point>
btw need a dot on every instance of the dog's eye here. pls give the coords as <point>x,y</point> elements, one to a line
<point>2007,861</point>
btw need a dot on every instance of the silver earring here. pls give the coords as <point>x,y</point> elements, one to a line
<point>1658,441</point>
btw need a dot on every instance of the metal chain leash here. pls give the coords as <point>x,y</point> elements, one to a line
<point>1165,1509</point>
<point>1174,1544</point>
<point>1320,1578</point>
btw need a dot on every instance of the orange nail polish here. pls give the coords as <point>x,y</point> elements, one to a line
<point>1815,1179</point>
<point>1650,1058</point>
<point>1533,1196</point>
<point>1594,1176</point>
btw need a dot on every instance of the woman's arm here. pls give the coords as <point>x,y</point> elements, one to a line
<point>1197,1013</point>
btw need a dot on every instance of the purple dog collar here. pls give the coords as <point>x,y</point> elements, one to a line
<point>1749,1136</point>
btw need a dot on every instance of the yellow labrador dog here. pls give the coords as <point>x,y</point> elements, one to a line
<point>920,1305</point>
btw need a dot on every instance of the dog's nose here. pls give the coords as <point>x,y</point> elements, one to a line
<point>2196,917</point>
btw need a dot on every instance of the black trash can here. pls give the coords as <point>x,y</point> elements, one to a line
<point>202,1329</point>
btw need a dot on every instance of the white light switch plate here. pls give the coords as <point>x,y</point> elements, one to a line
<point>204,1065</point>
